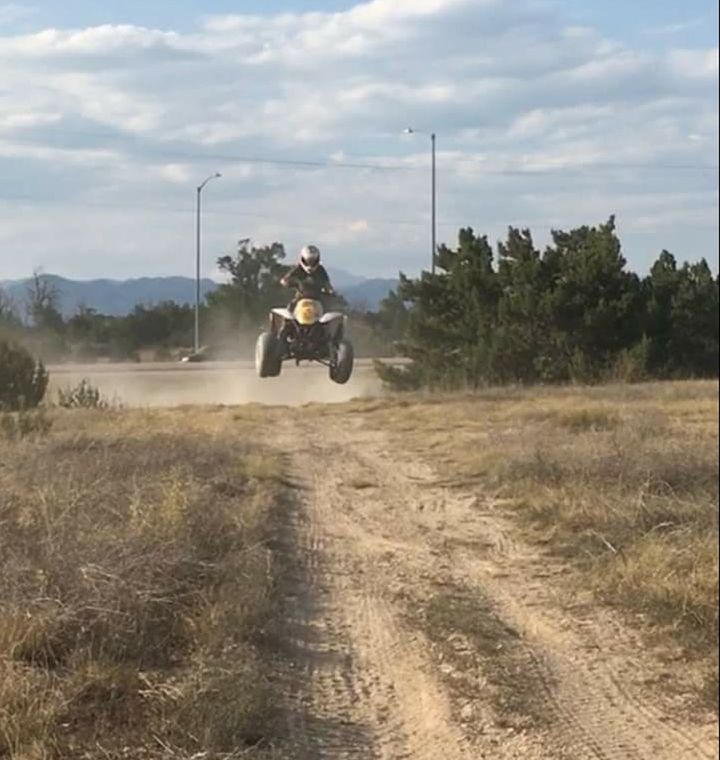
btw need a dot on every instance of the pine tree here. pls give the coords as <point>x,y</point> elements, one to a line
<point>693,345</point>
<point>522,332</point>
<point>596,305</point>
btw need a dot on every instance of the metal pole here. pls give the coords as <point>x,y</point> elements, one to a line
<point>217,175</point>
<point>433,139</point>
<point>434,203</point>
<point>197,271</point>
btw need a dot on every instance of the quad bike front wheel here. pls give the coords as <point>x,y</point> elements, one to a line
<point>341,369</point>
<point>268,361</point>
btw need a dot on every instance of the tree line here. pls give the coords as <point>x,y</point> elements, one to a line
<point>573,312</point>
<point>509,314</point>
<point>230,318</point>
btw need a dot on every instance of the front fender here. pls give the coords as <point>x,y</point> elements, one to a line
<point>330,316</point>
<point>334,324</point>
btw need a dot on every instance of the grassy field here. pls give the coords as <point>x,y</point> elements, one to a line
<point>620,480</point>
<point>134,576</point>
<point>137,583</point>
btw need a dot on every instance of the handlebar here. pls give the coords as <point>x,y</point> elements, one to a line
<point>294,284</point>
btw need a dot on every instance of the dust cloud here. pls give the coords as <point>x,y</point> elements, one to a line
<point>226,383</point>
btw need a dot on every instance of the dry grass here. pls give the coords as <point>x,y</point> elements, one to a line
<point>622,480</point>
<point>134,576</point>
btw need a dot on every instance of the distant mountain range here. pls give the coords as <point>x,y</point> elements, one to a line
<point>119,297</point>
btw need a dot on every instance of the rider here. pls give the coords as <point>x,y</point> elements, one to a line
<point>309,277</point>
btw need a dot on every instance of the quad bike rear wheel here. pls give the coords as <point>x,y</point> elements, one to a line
<point>341,369</point>
<point>268,361</point>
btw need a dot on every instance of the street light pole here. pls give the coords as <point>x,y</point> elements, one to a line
<point>434,203</point>
<point>433,180</point>
<point>200,188</point>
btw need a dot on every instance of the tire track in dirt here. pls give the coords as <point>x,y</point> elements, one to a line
<point>415,535</point>
<point>315,674</point>
<point>354,683</point>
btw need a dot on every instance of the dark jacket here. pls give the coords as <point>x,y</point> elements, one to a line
<point>308,284</point>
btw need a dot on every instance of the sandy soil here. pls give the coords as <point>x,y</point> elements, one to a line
<point>174,384</point>
<point>416,624</point>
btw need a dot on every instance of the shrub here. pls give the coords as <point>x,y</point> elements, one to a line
<point>631,364</point>
<point>82,396</point>
<point>23,380</point>
<point>407,378</point>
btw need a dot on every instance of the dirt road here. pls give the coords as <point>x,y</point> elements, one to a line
<point>415,624</point>
<point>175,384</point>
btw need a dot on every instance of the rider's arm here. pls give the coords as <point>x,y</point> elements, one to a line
<point>290,278</point>
<point>327,287</point>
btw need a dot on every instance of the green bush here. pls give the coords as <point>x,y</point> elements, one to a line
<point>23,380</point>
<point>406,378</point>
<point>631,364</point>
<point>82,396</point>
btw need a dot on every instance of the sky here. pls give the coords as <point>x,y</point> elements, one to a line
<point>549,114</point>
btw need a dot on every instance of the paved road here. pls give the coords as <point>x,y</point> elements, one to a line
<point>174,384</point>
<point>103,368</point>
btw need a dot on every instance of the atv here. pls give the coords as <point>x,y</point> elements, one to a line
<point>304,331</point>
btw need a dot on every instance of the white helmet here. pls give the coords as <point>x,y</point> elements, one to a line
<point>310,258</point>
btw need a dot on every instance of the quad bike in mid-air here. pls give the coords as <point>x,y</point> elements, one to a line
<point>305,332</point>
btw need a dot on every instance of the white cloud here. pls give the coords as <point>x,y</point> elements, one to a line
<point>676,28</point>
<point>540,121</point>
<point>101,159</point>
<point>527,107</point>
<point>104,40</point>
<point>176,173</point>
<point>21,119</point>
<point>695,64</point>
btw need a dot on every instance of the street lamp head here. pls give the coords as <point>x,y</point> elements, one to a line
<point>409,131</point>
<point>201,186</point>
